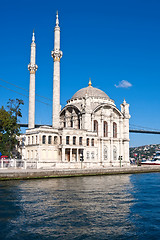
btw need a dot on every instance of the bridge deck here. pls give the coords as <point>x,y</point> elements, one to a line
<point>130,130</point>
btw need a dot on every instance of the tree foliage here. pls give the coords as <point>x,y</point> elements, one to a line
<point>9,127</point>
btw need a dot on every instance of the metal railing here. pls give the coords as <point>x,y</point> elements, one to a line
<point>17,164</point>
<point>12,163</point>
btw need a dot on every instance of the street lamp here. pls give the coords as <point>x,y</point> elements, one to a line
<point>120,160</point>
<point>81,157</point>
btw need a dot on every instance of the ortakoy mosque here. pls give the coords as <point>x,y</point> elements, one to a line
<point>90,127</point>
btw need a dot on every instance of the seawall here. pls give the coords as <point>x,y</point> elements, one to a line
<point>15,174</point>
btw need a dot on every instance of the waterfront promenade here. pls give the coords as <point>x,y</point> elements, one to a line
<point>10,174</point>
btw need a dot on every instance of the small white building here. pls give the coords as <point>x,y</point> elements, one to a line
<point>90,127</point>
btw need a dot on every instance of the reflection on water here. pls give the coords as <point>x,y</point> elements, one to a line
<point>99,207</point>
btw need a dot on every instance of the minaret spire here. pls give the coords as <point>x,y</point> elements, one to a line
<point>32,67</point>
<point>56,54</point>
<point>33,37</point>
<point>57,20</point>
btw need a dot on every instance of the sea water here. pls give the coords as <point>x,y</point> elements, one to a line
<point>99,207</point>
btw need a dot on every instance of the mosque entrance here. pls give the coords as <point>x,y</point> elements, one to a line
<point>74,155</point>
<point>67,155</point>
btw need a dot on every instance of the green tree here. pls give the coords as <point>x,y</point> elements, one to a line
<point>9,127</point>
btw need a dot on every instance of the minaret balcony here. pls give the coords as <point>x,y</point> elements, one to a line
<point>56,55</point>
<point>32,68</point>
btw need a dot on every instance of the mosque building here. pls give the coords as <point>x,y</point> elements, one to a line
<point>90,128</point>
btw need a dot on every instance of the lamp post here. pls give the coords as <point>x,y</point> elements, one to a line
<point>120,160</point>
<point>81,157</point>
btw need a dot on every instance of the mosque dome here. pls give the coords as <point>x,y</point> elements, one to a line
<point>90,92</point>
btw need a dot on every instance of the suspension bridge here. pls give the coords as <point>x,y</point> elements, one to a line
<point>131,130</point>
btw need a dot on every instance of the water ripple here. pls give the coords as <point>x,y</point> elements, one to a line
<point>101,207</point>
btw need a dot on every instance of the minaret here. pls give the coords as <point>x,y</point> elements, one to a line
<point>32,67</point>
<point>56,54</point>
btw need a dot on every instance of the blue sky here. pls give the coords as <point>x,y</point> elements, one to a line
<point>109,41</point>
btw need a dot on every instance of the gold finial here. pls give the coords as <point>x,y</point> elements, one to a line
<point>89,84</point>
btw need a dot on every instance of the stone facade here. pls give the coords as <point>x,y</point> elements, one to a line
<point>89,129</point>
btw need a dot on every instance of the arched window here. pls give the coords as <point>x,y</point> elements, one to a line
<point>79,123</point>
<point>55,140</point>
<point>43,139</point>
<point>74,140</point>
<point>115,130</point>
<point>92,142</point>
<point>95,126</point>
<point>49,139</point>
<point>64,120</point>
<point>87,142</point>
<point>67,139</point>
<point>71,121</point>
<point>80,140</point>
<point>105,129</point>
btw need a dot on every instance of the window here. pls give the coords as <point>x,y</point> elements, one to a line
<point>74,140</point>
<point>92,142</point>
<point>79,123</point>
<point>96,126</point>
<point>105,153</point>
<point>71,121</point>
<point>36,154</point>
<point>105,129</point>
<point>28,154</point>
<point>92,155</point>
<point>60,139</point>
<point>49,139</point>
<point>32,140</point>
<point>28,140</point>
<point>87,142</point>
<point>114,153</point>
<point>64,124</point>
<point>115,130</point>
<point>43,139</point>
<point>31,154</point>
<point>67,140</point>
<point>36,139</point>
<point>55,140</point>
<point>87,154</point>
<point>80,141</point>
